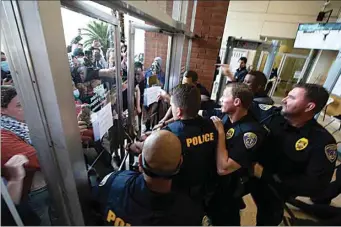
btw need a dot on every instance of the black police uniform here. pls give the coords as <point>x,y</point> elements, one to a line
<point>197,176</point>
<point>302,159</point>
<point>240,74</point>
<point>243,140</point>
<point>126,200</point>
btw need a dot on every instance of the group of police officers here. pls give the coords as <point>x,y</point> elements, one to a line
<point>196,169</point>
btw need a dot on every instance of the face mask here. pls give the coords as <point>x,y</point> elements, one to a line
<point>76,93</point>
<point>4,66</point>
<point>80,60</point>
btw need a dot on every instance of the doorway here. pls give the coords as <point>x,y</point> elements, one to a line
<point>290,71</point>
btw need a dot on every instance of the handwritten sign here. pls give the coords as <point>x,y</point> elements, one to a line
<point>102,121</point>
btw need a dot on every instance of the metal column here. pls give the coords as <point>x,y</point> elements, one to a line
<point>131,76</point>
<point>189,51</point>
<point>34,41</point>
<point>175,47</point>
<point>333,74</point>
<point>271,58</point>
<point>220,81</point>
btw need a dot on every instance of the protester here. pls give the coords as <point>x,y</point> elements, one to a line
<point>154,75</point>
<point>13,174</point>
<point>15,139</point>
<point>98,60</point>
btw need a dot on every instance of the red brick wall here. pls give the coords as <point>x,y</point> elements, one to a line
<point>209,25</point>
<point>156,45</point>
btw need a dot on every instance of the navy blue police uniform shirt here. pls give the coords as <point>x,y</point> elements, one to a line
<point>126,200</point>
<point>243,140</point>
<point>198,137</point>
<point>303,158</point>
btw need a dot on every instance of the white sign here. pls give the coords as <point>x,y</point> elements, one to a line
<point>102,121</point>
<point>324,36</point>
<point>151,94</point>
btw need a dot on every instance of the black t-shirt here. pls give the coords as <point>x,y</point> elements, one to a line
<point>203,90</point>
<point>303,158</point>
<point>127,200</point>
<point>240,75</point>
<point>199,142</point>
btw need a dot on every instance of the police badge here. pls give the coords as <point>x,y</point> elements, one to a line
<point>250,139</point>
<point>331,152</point>
<point>230,133</point>
<point>301,144</point>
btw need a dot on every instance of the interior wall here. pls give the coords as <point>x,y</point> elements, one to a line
<point>252,19</point>
<point>320,70</point>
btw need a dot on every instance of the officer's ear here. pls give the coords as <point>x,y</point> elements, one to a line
<point>179,112</point>
<point>181,159</point>
<point>310,106</point>
<point>237,102</point>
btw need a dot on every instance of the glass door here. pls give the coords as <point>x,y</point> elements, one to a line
<point>289,73</point>
<point>262,60</point>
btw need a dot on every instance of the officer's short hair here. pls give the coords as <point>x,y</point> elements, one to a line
<point>187,97</point>
<point>315,93</point>
<point>191,74</point>
<point>244,59</point>
<point>260,78</point>
<point>243,92</point>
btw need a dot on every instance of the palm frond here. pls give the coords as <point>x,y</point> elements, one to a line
<point>96,31</point>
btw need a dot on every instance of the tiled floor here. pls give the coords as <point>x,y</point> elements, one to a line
<point>249,213</point>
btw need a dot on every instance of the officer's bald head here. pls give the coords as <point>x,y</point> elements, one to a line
<point>162,151</point>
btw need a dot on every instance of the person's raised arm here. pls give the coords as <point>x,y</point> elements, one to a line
<point>225,70</point>
<point>138,99</point>
<point>168,116</point>
<point>225,165</point>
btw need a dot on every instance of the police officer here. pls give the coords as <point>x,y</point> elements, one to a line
<point>239,140</point>
<point>240,73</point>
<point>299,156</point>
<point>256,80</point>
<point>198,137</point>
<point>190,77</point>
<point>133,198</point>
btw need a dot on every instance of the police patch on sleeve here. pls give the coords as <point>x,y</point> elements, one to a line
<point>331,152</point>
<point>104,180</point>
<point>264,106</point>
<point>301,144</point>
<point>250,139</point>
<point>230,133</point>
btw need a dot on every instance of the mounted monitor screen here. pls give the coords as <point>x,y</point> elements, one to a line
<point>320,36</point>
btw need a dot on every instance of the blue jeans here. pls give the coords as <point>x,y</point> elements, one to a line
<point>40,203</point>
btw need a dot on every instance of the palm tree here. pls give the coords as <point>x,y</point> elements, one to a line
<point>96,31</point>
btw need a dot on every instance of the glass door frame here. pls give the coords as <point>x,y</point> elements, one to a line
<point>281,66</point>
<point>37,53</point>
